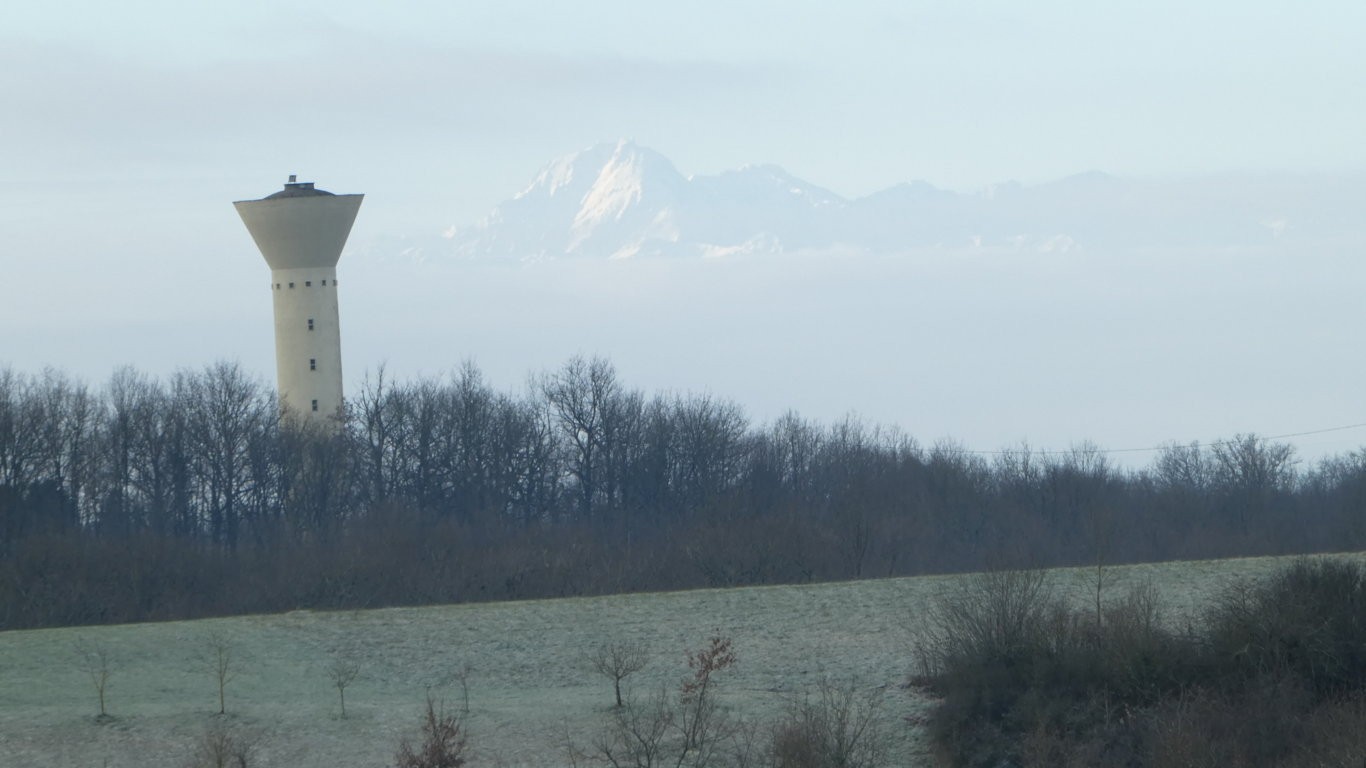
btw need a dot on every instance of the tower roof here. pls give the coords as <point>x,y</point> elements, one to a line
<point>295,188</point>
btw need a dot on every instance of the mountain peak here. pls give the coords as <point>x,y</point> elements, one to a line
<point>579,170</point>
<point>1086,180</point>
<point>634,183</point>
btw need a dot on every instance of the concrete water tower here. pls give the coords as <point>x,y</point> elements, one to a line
<point>300,231</point>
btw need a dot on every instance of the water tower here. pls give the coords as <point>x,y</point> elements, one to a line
<point>300,231</point>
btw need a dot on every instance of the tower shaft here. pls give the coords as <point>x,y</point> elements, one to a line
<point>307,340</point>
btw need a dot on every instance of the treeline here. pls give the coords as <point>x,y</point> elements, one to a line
<point>151,499</point>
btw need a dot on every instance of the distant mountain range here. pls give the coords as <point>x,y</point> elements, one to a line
<point>621,200</point>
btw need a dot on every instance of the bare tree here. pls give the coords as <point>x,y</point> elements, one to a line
<point>637,736</point>
<point>216,655</point>
<point>698,720</point>
<point>342,672</point>
<point>683,728</point>
<point>581,396</point>
<point>377,431</point>
<point>1100,532</point>
<point>709,438</point>
<point>619,660</point>
<point>1080,479</point>
<point>1249,471</point>
<point>462,676</point>
<point>95,661</point>
<point>228,409</point>
<point>1183,468</point>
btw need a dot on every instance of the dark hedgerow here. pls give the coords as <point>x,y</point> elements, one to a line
<point>1026,680</point>
<point>1307,622</point>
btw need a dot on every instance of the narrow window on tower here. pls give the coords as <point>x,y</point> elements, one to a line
<point>324,282</point>
<point>310,323</point>
<point>312,363</point>
<point>308,283</point>
<point>315,405</point>
<point>291,285</point>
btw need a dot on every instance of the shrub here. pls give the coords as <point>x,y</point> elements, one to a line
<point>220,746</point>
<point>1258,725</point>
<point>837,728</point>
<point>1307,621</point>
<point>1273,677</point>
<point>443,742</point>
<point>995,615</point>
<point>1021,674</point>
<point>978,650</point>
<point>1335,736</point>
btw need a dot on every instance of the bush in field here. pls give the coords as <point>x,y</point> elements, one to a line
<point>1017,669</point>
<point>835,728</point>
<point>997,615</point>
<point>1269,679</point>
<point>1307,621</point>
<point>221,746</point>
<point>443,742</point>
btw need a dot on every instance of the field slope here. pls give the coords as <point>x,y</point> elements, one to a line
<point>528,683</point>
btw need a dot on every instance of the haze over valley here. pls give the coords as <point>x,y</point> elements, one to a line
<point>1129,224</point>
<point>1129,312</point>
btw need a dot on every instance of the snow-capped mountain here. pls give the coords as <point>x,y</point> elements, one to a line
<point>621,200</point>
<point>610,200</point>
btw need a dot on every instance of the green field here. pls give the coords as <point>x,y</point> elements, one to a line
<point>528,684</point>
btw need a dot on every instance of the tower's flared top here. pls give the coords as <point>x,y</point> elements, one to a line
<point>300,226</point>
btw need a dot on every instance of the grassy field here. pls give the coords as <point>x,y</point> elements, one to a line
<point>528,681</point>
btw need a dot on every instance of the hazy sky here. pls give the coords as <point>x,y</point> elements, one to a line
<point>460,102</point>
<point>129,127</point>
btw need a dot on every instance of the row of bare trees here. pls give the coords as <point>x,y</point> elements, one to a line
<point>191,456</point>
<point>445,488</point>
